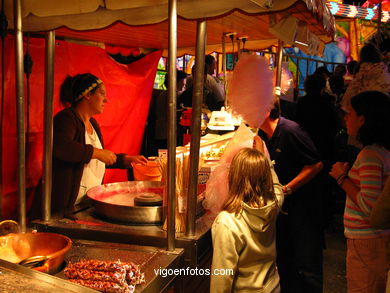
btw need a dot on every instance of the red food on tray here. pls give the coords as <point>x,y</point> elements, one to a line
<point>105,276</point>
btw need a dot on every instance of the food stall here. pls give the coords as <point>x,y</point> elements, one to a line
<point>144,23</point>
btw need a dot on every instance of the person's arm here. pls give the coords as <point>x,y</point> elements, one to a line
<point>302,150</point>
<point>124,161</point>
<point>307,173</point>
<point>105,156</point>
<point>225,256</point>
<point>339,172</point>
<point>369,171</point>
<point>380,213</point>
<point>112,160</point>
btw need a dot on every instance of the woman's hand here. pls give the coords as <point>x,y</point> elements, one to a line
<point>134,159</point>
<point>339,169</point>
<point>258,144</point>
<point>105,156</point>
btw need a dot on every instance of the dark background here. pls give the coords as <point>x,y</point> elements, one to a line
<point>354,2</point>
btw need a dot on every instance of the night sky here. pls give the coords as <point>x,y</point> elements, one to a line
<point>354,2</point>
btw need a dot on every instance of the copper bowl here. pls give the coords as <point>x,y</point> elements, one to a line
<point>50,248</point>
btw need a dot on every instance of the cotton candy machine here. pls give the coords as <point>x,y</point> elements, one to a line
<point>135,202</point>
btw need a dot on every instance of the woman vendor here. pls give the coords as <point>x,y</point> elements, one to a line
<point>79,156</point>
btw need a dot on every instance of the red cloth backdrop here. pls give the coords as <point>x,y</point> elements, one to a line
<point>129,89</point>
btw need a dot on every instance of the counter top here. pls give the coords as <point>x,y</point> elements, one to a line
<point>86,225</point>
<point>16,278</point>
<point>150,260</point>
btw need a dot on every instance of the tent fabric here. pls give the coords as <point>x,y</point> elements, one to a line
<point>129,90</point>
<point>204,8</point>
<point>43,15</point>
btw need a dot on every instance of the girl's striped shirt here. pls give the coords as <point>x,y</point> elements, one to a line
<point>368,173</point>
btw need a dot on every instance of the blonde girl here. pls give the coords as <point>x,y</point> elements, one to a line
<point>244,252</point>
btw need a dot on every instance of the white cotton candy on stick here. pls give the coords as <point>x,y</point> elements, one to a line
<point>250,90</point>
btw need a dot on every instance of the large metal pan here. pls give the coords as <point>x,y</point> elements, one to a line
<point>45,249</point>
<point>115,201</point>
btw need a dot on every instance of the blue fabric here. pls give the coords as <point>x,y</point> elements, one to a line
<point>332,53</point>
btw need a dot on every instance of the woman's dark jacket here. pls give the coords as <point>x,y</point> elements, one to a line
<point>70,154</point>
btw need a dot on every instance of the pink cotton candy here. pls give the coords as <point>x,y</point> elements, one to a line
<point>217,187</point>
<point>250,91</point>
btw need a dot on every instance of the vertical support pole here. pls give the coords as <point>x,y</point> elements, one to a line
<point>20,114</point>
<point>197,99</point>
<point>279,64</point>
<point>224,63</point>
<point>238,48</point>
<point>298,75</point>
<point>172,53</point>
<point>48,124</point>
<point>379,15</point>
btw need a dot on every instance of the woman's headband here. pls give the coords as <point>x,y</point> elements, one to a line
<point>88,89</point>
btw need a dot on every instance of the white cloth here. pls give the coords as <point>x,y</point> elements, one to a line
<point>93,171</point>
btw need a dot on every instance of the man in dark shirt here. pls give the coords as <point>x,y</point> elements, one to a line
<point>318,116</point>
<point>299,229</point>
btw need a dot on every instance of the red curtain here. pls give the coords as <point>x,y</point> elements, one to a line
<point>129,89</point>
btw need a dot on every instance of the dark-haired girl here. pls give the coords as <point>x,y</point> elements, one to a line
<point>368,119</point>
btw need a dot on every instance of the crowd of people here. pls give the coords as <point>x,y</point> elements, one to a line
<point>213,100</point>
<point>337,141</point>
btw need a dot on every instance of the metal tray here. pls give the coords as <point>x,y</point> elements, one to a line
<point>115,201</point>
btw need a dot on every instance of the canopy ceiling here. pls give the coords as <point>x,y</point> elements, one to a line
<point>144,23</point>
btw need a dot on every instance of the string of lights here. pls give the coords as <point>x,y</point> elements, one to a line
<point>346,10</point>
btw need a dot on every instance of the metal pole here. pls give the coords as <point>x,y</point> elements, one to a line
<point>224,63</point>
<point>298,72</point>
<point>48,121</point>
<point>172,52</point>
<point>279,69</point>
<point>197,98</point>
<point>379,15</point>
<point>238,48</point>
<point>20,114</point>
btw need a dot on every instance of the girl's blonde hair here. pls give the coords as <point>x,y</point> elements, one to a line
<point>250,181</point>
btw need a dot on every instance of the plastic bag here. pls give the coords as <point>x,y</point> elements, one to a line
<point>217,188</point>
